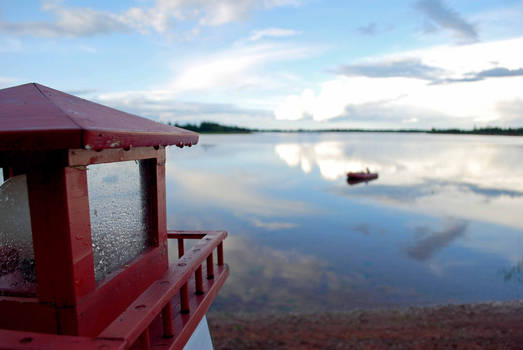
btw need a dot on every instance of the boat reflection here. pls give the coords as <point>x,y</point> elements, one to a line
<point>352,181</point>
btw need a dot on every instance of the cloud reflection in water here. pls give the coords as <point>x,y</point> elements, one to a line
<point>446,176</point>
<point>437,226</point>
<point>427,246</point>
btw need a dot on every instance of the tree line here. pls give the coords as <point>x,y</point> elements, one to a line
<point>211,127</point>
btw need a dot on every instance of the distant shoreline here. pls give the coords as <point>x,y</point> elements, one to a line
<point>215,128</point>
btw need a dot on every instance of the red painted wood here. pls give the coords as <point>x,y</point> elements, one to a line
<point>78,157</point>
<point>180,234</point>
<point>184,299</point>
<point>198,277</point>
<point>79,232</point>
<point>144,342</point>
<point>27,314</point>
<point>16,340</point>
<point>36,117</point>
<point>210,267</point>
<point>181,248</point>
<point>29,121</point>
<point>220,254</point>
<point>101,307</point>
<point>97,310</point>
<point>185,324</point>
<point>160,200</point>
<point>167,318</point>
<point>147,306</point>
<point>61,234</point>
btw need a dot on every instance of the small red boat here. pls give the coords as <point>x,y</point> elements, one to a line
<point>362,176</point>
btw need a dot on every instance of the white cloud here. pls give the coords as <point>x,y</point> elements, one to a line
<point>473,101</point>
<point>7,82</point>
<point>68,22</point>
<point>84,21</point>
<point>237,68</point>
<point>271,33</point>
<point>227,76</point>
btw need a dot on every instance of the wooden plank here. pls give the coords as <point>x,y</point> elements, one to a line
<point>174,234</point>
<point>79,157</point>
<point>60,223</point>
<point>145,308</point>
<point>100,308</point>
<point>160,207</point>
<point>185,324</point>
<point>27,314</point>
<point>16,340</point>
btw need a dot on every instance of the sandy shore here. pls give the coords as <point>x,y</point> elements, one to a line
<point>496,325</point>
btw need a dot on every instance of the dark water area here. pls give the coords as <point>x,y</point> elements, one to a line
<point>443,223</point>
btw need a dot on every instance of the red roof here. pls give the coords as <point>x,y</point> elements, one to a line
<point>36,117</point>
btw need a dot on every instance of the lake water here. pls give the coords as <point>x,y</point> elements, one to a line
<point>442,224</point>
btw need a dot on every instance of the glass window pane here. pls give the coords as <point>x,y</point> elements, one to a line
<point>17,266</point>
<point>119,214</point>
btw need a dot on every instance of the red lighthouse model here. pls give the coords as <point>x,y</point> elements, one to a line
<point>83,237</point>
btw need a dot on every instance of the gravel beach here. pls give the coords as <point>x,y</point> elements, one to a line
<point>495,325</point>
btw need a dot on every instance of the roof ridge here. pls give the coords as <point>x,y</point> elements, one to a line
<point>37,86</point>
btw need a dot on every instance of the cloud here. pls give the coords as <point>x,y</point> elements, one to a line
<point>71,21</point>
<point>497,72</point>
<point>404,67</point>
<point>7,81</point>
<point>226,74</point>
<point>272,33</point>
<point>441,16</point>
<point>407,86</point>
<point>165,106</point>
<point>511,111</point>
<point>426,247</point>
<point>369,29</point>
<point>238,68</point>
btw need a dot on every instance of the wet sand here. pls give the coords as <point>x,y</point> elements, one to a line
<point>496,325</point>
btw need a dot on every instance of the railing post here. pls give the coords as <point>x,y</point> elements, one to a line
<point>184,299</point>
<point>199,280</point>
<point>220,254</point>
<point>210,267</point>
<point>181,250</point>
<point>167,317</point>
<point>145,342</point>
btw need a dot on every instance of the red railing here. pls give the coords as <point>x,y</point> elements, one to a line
<point>165,315</point>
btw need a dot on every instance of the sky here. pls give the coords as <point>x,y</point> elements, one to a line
<point>282,64</point>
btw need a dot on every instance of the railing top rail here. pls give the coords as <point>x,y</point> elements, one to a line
<point>193,234</point>
<point>143,310</point>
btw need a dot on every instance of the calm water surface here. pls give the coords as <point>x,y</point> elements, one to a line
<point>442,224</point>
